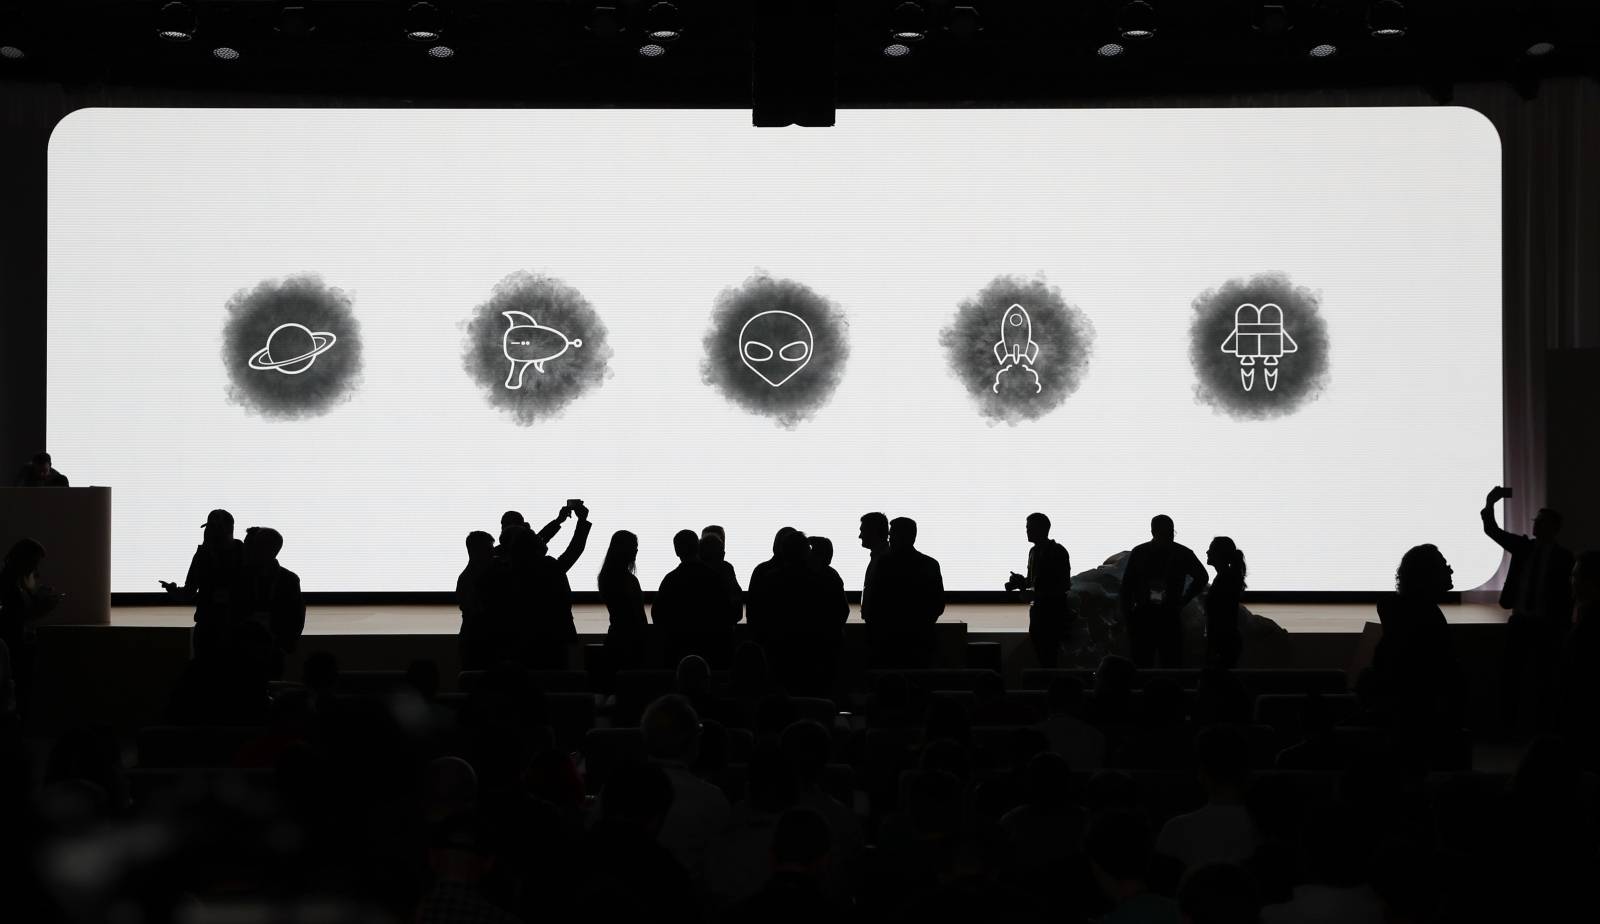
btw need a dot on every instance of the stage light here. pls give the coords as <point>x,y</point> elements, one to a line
<point>896,50</point>
<point>604,21</point>
<point>175,23</point>
<point>1110,50</point>
<point>12,53</point>
<point>1323,51</point>
<point>1136,21</point>
<point>294,20</point>
<point>663,23</point>
<point>423,23</point>
<point>964,22</point>
<point>652,51</point>
<point>1540,49</point>
<point>225,53</point>
<point>908,24</point>
<point>1273,20</point>
<point>441,52</point>
<point>1387,19</point>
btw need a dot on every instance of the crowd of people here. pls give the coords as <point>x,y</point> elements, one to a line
<point>766,787</point>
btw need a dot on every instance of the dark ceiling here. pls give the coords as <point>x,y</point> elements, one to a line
<point>789,55</point>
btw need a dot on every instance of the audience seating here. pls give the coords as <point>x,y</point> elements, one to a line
<point>1257,681</point>
<point>1282,710</point>
<point>170,746</point>
<point>548,681</point>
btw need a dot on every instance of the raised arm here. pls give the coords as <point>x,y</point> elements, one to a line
<point>548,531</point>
<point>575,545</point>
<point>1492,529</point>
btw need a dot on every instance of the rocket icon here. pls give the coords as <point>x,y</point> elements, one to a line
<point>1015,347</point>
<point>1258,334</point>
<point>529,343</point>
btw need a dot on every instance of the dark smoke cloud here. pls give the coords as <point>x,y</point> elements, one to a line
<point>1065,336</point>
<point>1302,376</point>
<point>329,379</point>
<point>552,303</point>
<point>800,397</point>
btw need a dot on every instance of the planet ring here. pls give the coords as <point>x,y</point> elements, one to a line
<point>321,341</point>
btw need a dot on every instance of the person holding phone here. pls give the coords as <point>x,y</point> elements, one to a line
<point>213,572</point>
<point>1538,593</point>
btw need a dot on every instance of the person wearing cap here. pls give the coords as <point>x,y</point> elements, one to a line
<point>213,572</point>
<point>39,473</point>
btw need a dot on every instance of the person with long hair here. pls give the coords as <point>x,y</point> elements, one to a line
<point>1415,677</point>
<point>1224,640</point>
<point>624,600</point>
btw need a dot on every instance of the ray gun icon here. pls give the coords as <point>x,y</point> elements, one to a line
<point>529,343</point>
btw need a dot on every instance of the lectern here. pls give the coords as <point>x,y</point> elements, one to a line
<point>74,525</point>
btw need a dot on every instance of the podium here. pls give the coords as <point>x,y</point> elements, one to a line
<point>74,525</point>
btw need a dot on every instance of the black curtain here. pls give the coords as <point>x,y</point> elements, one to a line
<point>1550,148</point>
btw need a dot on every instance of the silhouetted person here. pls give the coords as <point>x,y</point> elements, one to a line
<point>1224,640</point>
<point>1222,830</point>
<point>1219,893</point>
<point>1067,728</point>
<point>1046,586</point>
<point>1333,889</point>
<point>1414,678</point>
<point>1538,594</point>
<point>629,875</point>
<point>213,572</point>
<point>907,601</point>
<point>699,809</point>
<point>875,539</point>
<point>530,597</point>
<point>714,552</point>
<point>801,859</point>
<point>38,472</point>
<point>807,746</point>
<point>24,600</point>
<point>831,609</point>
<point>1580,664</point>
<point>795,614</point>
<point>691,608</point>
<point>1162,576</point>
<point>267,595</point>
<point>1118,845</point>
<point>476,643</point>
<point>460,860</point>
<point>549,627</point>
<point>624,600</point>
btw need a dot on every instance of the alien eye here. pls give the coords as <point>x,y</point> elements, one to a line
<point>793,355</point>
<point>757,352</point>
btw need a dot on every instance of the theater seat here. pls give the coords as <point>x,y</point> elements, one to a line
<point>548,681</point>
<point>369,683</point>
<point>1282,710</point>
<point>192,746</point>
<point>146,784</point>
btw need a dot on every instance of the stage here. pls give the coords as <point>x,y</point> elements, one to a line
<point>980,618</point>
<point>137,659</point>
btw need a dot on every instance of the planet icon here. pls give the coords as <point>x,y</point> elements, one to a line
<point>291,349</point>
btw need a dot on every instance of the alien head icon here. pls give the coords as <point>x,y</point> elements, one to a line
<point>1258,334</point>
<point>775,345</point>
